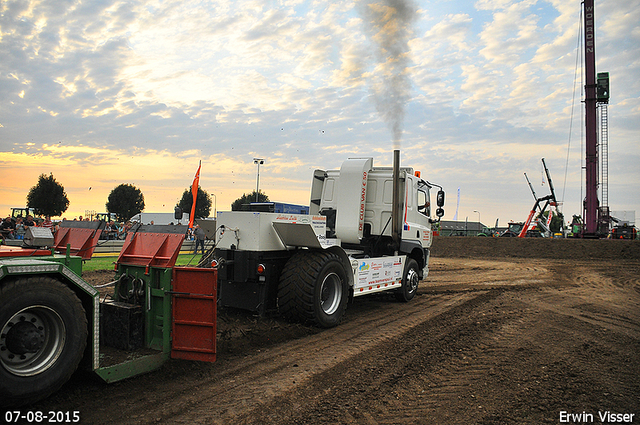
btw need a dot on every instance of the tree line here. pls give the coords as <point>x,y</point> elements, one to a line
<point>48,198</point>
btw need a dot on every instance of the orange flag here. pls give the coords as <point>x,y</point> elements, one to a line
<point>194,193</point>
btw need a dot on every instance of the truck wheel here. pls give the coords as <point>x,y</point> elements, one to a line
<point>410,281</point>
<point>313,289</point>
<point>43,334</point>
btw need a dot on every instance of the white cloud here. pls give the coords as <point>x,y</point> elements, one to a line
<point>170,82</point>
<point>510,34</point>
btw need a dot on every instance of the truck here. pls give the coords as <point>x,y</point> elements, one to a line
<point>368,230</point>
<point>159,218</point>
<point>278,207</point>
<point>22,212</point>
<point>623,231</point>
<point>515,228</point>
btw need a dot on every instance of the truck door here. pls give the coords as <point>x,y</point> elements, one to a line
<point>417,212</point>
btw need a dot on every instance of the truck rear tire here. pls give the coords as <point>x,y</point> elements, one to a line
<point>43,334</point>
<point>313,289</point>
<point>410,281</point>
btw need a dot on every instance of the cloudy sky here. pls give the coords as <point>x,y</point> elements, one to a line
<point>106,92</point>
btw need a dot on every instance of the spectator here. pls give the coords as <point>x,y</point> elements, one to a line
<point>6,228</point>
<point>122,233</point>
<point>48,223</point>
<point>199,235</point>
<point>20,230</point>
<point>111,230</point>
<point>29,222</point>
<point>118,229</point>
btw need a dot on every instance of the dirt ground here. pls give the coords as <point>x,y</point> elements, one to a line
<point>501,332</point>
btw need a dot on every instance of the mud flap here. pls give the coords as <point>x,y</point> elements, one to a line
<point>194,299</point>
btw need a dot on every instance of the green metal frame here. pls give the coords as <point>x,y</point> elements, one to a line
<point>157,322</point>
<point>131,368</point>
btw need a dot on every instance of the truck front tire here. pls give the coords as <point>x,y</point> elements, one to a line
<point>313,289</point>
<point>410,282</point>
<point>43,334</point>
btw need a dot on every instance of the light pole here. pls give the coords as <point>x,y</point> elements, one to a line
<point>479,221</point>
<point>215,203</point>
<point>258,162</point>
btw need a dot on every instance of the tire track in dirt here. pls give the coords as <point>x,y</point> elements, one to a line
<point>235,387</point>
<point>612,302</point>
<point>543,352</point>
<point>485,342</point>
<point>411,395</point>
<point>291,365</point>
<point>538,361</point>
<point>221,392</point>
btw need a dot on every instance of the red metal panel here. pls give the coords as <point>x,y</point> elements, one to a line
<point>82,241</point>
<point>151,249</point>
<point>16,251</point>
<point>194,314</point>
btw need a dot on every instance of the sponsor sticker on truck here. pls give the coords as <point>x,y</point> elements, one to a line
<point>378,274</point>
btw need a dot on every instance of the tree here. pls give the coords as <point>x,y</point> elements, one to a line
<point>125,201</point>
<point>556,221</point>
<point>247,198</point>
<point>47,197</point>
<point>203,202</point>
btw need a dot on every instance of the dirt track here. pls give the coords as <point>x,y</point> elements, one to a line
<point>490,339</point>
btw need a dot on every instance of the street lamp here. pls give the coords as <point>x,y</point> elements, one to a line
<point>258,162</point>
<point>479,221</point>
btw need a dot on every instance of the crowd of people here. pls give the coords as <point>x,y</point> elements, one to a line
<point>11,228</point>
<point>16,227</point>
<point>116,231</point>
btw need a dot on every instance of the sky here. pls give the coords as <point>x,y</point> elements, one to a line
<point>474,94</point>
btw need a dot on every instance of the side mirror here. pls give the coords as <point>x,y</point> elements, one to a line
<point>440,199</point>
<point>177,213</point>
<point>440,212</point>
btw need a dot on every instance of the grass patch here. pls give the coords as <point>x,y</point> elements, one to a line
<point>107,263</point>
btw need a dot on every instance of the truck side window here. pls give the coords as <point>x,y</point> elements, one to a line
<point>424,206</point>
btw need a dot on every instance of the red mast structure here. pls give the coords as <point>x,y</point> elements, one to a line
<point>591,203</point>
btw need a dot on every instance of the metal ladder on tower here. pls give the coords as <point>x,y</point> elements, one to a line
<point>604,217</point>
<point>604,154</point>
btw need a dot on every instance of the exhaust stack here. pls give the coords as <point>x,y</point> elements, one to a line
<point>395,206</point>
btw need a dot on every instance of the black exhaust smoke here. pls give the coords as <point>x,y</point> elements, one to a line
<point>389,27</point>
